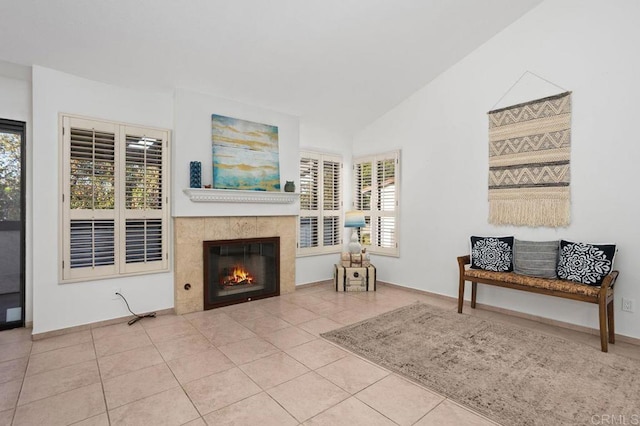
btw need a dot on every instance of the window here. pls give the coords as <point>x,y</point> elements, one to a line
<point>114,199</point>
<point>320,220</point>
<point>377,189</point>
<point>12,222</point>
<point>11,172</point>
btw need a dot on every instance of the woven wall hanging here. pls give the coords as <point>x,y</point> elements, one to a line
<point>529,152</point>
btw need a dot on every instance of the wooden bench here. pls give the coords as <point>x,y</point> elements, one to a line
<point>602,295</point>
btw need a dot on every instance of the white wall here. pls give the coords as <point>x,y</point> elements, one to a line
<point>311,269</point>
<point>192,142</point>
<point>15,92</point>
<point>583,46</point>
<point>16,99</point>
<point>57,305</point>
<point>189,114</point>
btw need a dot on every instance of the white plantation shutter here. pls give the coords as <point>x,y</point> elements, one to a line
<point>114,218</point>
<point>332,204</point>
<point>92,163</point>
<point>386,203</point>
<point>89,215</point>
<point>308,225</point>
<point>145,242</point>
<point>376,192</point>
<point>320,220</point>
<point>92,243</point>
<point>143,172</point>
<point>362,175</point>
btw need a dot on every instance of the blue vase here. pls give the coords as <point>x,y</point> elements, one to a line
<point>195,174</point>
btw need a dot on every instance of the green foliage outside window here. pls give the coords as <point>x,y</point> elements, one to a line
<point>10,169</point>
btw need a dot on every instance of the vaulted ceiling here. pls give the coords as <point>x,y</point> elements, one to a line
<point>339,63</point>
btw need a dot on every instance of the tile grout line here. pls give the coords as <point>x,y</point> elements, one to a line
<point>200,415</point>
<point>151,366</point>
<point>104,394</point>
<point>349,395</point>
<point>262,390</point>
<point>238,366</point>
<point>354,395</point>
<point>24,377</point>
<point>431,410</point>
<point>166,364</point>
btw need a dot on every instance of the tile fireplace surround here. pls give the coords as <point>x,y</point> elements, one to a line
<point>190,232</point>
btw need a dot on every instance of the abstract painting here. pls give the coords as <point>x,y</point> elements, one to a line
<point>245,154</point>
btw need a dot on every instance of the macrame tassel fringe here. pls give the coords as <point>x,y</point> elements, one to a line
<point>552,213</point>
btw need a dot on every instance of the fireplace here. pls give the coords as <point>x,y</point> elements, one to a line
<point>190,232</point>
<point>240,270</point>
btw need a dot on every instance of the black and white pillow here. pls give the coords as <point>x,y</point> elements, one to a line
<point>585,263</point>
<point>492,253</point>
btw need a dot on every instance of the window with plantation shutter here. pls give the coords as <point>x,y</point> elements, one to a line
<point>114,199</point>
<point>320,220</point>
<point>376,193</point>
<point>309,208</point>
<point>143,199</point>
<point>92,243</point>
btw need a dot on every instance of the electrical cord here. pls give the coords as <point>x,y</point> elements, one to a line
<point>137,316</point>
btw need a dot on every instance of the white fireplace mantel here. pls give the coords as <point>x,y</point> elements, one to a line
<point>207,195</point>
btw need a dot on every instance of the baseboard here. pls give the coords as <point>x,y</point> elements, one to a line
<point>543,320</point>
<point>90,326</point>
<point>556,323</point>
<point>313,284</point>
<point>548,321</point>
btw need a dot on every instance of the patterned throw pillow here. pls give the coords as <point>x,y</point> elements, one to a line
<point>585,263</point>
<point>492,253</point>
<point>536,258</point>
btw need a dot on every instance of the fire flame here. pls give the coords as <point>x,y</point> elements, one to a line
<point>238,276</point>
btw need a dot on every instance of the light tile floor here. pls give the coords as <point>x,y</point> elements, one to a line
<point>259,363</point>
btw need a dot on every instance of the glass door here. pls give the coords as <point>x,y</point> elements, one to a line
<point>12,223</point>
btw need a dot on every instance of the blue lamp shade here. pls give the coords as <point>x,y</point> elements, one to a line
<point>354,219</point>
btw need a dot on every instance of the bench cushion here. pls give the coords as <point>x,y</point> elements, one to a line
<point>545,283</point>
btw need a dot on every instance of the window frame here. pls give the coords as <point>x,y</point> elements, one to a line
<point>321,213</point>
<point>120,214</point>
<point>372,214</point>
<point>20,128</point>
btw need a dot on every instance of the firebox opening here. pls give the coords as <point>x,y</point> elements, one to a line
<point>240,270</point>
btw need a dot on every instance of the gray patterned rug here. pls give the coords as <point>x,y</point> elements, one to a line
<point>510,374</point>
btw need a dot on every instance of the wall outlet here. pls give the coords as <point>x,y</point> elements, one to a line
<point>628,305</point>
<point>115,290</point>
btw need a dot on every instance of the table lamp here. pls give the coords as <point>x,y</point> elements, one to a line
<point>354,219</point>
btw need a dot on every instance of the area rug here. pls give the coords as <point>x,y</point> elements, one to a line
<point>510,374</point>
<point>529,149</point>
